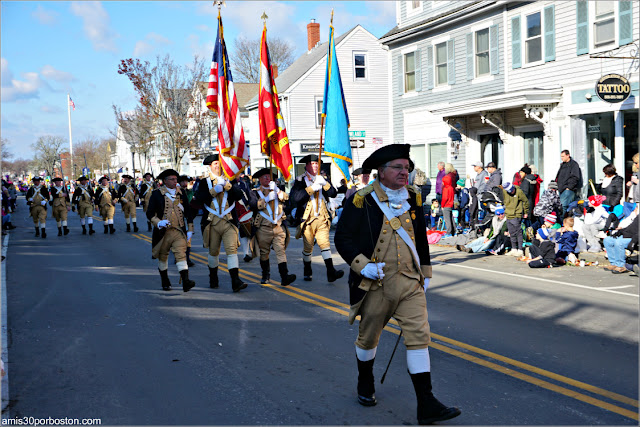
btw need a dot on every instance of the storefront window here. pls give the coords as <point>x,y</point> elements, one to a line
<point>437,153</point>
<point>600,144</point>
<point>630,141</point>
<point>492,149</point>
<point>534,150</point>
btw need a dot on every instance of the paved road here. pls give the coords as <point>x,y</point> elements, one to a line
<point>91,335</point>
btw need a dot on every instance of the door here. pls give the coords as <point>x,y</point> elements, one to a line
<point>491,149</point>
<point>534,151</point>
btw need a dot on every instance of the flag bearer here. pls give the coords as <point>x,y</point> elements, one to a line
<point>83,197</point>
<point>128,195</point>
<point>105,201</point>
<point>146,188</point>
<point>61,205</point>
<point>37,198</point>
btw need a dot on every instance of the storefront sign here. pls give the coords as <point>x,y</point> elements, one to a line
<point>613,88</point>
<point>377,141</point>
<point>313,147</point>
<point>357,133</point>
<point>593,128</point>
<point>357,143</point>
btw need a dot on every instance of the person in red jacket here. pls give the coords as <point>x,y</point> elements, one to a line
<point>447,204</point>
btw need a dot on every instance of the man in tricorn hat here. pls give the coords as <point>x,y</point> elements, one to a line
<point>105,202</point>
<point>147,185</point>
<point>362,179</point>
<point>128,195</point>
<point>219,221</point>
<point>310,195</point>
<point>382,235</point>
<point>267,202</point>
<point>60,205</point>
<point>170,213</point>
<point>37,198</point>
<point>83,199</point>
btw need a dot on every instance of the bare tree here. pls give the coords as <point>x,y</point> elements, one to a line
<point>46,152</point>
<point>136,128</point>
<point>169,95</point>
<point>246,58</point>
<point>92,153</point>
<point>18,167</point>
<point>6,154</point>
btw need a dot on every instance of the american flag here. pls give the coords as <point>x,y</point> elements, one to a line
<point>221,98</point>
<point>71,104</point>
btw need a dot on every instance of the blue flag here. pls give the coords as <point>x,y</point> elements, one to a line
<point>334,109</point>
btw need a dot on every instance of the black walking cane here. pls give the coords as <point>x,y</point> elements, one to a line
<point>391,358</point>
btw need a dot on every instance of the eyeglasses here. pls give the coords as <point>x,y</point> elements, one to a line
<point>399,167</point>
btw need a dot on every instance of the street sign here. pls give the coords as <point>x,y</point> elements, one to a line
<point>85,171</point>
<point>357,133</point>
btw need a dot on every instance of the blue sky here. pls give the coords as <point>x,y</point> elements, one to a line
<point>49,49</point>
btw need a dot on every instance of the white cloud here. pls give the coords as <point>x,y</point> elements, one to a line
<point>96,24</point>
<point>60,76</point>
<point>151,42</point>
<point>5,73</point>
<point>247,16</point>
<point>197,47</point>
<point>43,16</point>
<point>16,90</point>
<point>204,28</point>
<point>50,109</point>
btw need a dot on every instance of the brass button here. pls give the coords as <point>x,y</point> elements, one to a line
<point>386,222</point>
<point>378,249</point>
<point>357,261</point>
<point>381,240</point>
<point>384,231</point>
<point>408,220</point>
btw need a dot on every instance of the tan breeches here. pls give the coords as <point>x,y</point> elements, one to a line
<point>267,236</point>
<point>129,210</point>
<point>85,210</point>
<point>39,214</point>
<point>401,298</point>
<point>223,233</point>
<point>59,213</point>
<point>318,230</point>
<point>174,240</point>
<point>107,212</point>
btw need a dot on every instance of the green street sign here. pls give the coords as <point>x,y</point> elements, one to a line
<point>357,133</point>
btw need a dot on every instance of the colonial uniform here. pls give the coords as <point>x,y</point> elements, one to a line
<point>310,195</point>
<point>268,206</point>
<point>172,217</point>
<point>37,198</point>
<point>360,185</point>
<point>83,197</point>
<point>382,235</point>
<point>128,195</point>
<point>189,193</point>
<point>60,206</point>
<point>105,201</point>
<point>146,188</point>
<point>219,224</point>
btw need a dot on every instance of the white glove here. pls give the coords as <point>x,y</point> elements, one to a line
<point>189,235</point>
<point>218,188</point>
<point>271,196</point>
<point>426,284</point>
<point>373,271</point>
<point>163,223</point>
<point>273,186</point>
<point>222,181</point>
<point>316,187</point>
<point>124,200</point>
<point>31,199</point>
<point>43,203</point>
<point>320,180</point>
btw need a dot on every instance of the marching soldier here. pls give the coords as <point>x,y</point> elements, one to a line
<point>61,205</point>
<point>172,217</point>
<point>183,183</point>
<point>219,220</point>
<point>105,202</point>
<point>83,199</point>
<point>37,198</point>
<point>128,195</point>
<point>362,179</point>
<point>382,235</point>
<point>310,195</point>
<point>268,202</point>
<point>146,188</point>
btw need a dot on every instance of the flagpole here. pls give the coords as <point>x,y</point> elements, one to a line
<point>324,101</point>
<point>70,140</point>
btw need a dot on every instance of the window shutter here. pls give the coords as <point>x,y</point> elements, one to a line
<point>418,71</point>
<point>626,22</point>
<point>516,54</point>
<point>494,49</point>
<point>451,62</point>
<point>549,34</point>
<point>400,74</point>
<point>582,27</point>
<point>430,67</point>
<point>469,38</point>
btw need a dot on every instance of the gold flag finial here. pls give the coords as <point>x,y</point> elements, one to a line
<point>219,3</point>
<point>331,16</point>
<point>264,17</point>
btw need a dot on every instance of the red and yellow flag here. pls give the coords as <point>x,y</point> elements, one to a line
<point>273,134</point>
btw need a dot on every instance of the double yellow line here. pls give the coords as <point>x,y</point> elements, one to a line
<point>459,349</point>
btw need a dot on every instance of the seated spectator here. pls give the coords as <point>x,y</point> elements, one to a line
<point>567,239</point>
<point>612,186</point>
<point>482,243</point>
<point>624,237</point>
<point>543,248</point>
<point>594,221</point>
<point>549,202</point>
<point>435,213</point>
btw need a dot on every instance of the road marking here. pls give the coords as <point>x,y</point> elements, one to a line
<point>322,301</point>
<point>617,287</point>
<point>539,279</point>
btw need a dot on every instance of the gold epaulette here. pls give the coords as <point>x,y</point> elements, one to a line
<point>418,194</point>
<point>358,198</point>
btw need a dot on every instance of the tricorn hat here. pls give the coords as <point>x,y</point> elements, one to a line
<point>263,171</point>
<point>361,171</point>
<point>308,159</point>
<point>36,178</point>
<point>168,172</point>
<point>184,178</point>
<point>210,159</point>
<point>103,177</point>
<point>56,179</point>
<point>386,154</point>
<point>82,178</point>
<point>149,174</point>
<point>127,176</point>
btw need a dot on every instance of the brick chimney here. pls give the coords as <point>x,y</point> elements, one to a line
<point>274,70</point>
<point>313,34</point>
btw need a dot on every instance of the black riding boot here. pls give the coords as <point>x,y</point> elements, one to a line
<point>84,229</point>
<point>135,227</point>
<point>236,282</point>
<point>91,230</point>
<point>128,228</point>
<point>37,231</point>
<point>332,273</point>
<point>266,270</point>
<point>65,230</point>
<point>430,409</point>
<point>166,284</point>
<point>307,271</point>
<point>59,231</point>
<point>43,234</point>
<point>106,229</point>
<point>285,277</point>
<point>149,228</point>
<point>111,229</point>
<point>366,387</point>
<point>186,282</point>
<point>213,278</point>
<point>247,258</point>
<point>189,262</point>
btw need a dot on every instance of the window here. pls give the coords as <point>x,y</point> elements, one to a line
<point>413,7</point>
<point>410,72</point>
<point>482,52</point>
<point>437,153</point>
<point>441,64</point>
<point>318,111</point>
<point>533,39</point>
<point>604,24</point>
<point>360,66</point>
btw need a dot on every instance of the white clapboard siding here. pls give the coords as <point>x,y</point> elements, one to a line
<point>430,9</point>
